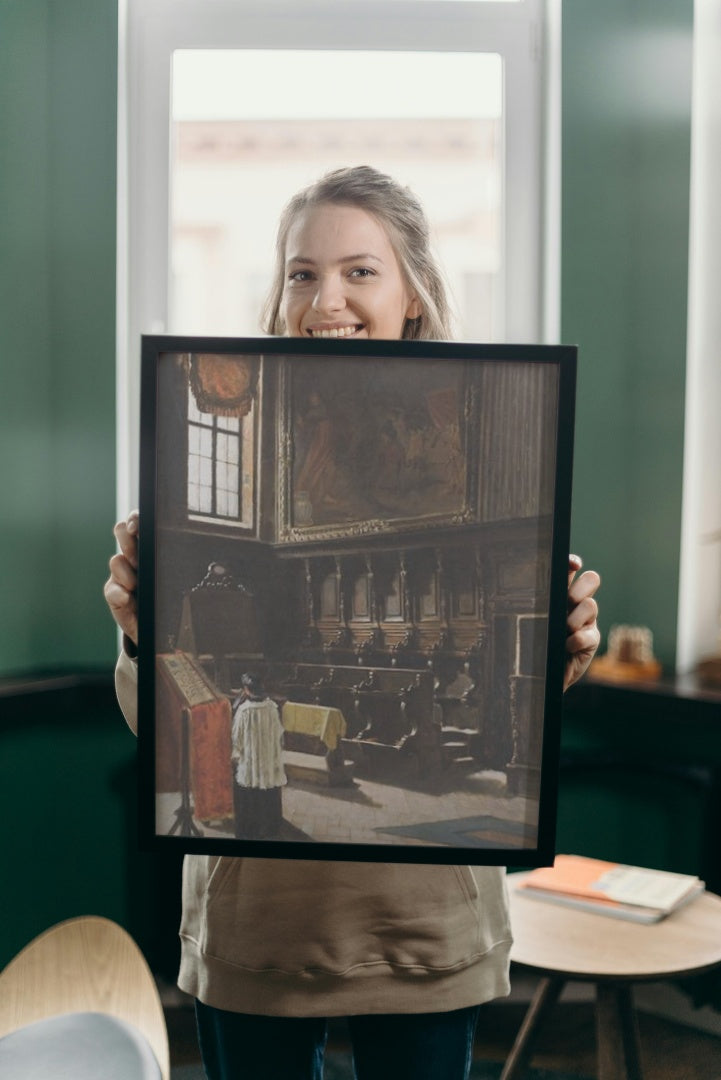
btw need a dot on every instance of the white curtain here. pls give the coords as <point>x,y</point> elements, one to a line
<point>700,584</point>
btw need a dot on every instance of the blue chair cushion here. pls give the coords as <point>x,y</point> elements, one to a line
<point>78,1046</point>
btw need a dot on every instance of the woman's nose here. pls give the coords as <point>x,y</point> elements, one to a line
<point>329,296</point>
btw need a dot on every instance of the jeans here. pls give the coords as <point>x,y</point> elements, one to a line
<point>414,1046</point>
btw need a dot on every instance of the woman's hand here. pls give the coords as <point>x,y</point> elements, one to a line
<point>121,587</point>
<point>583,635</point>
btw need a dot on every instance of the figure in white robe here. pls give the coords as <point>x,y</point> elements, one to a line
<point>257,757</point>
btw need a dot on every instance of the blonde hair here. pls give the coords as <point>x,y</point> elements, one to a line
<point>403,217</point>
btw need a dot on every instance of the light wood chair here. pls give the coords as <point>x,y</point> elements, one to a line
<point>86,965</point>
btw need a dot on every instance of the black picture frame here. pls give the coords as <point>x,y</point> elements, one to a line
<point>353,568</point>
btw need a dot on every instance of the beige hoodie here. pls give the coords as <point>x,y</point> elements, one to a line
<point>286,937</point>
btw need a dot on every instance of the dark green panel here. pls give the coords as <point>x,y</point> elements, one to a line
<point>68,786</point>
<point>26,398</point>
<point>641,777</point>
<point>82,272</point>
<point>57,318</point>
<point>68,777</point>
<point>623,815</point>
<point>626,143</point>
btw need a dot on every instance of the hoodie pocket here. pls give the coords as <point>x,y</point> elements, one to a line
<point>296,916</point>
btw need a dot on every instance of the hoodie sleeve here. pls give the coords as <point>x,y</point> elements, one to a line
<point>126,688</point>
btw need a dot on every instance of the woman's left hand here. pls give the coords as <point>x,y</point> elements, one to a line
<point>583,635</point>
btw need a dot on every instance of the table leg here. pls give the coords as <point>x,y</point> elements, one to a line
<point>617,1033</point>
<point>545,997</point>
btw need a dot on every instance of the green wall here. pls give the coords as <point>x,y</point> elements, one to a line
<point>67,761</point>
<point>626,104</point>
<point>626,135</point>
<point>58,73</point>
<point>625,167</point>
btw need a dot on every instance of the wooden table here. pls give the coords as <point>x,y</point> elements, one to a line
<point>563,944</point>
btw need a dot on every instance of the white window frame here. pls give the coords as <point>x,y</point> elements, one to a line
<point>699,597</point>
<point>526,34</point>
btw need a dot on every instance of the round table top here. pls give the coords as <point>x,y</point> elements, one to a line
<point>559,940</point>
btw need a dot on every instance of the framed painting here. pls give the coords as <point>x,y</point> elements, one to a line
<point>404,462</point>
<point>352,597</point>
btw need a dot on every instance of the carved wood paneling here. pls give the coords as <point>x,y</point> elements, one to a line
<point>517,409</point>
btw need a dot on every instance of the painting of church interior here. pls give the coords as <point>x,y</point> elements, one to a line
<point>352,590</point>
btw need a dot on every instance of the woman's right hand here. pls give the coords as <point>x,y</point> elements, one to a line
<point>121,587</point>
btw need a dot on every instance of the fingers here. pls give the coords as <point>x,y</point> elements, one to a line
<point>575,562</point>
<point>120,588</point>
<point>123,572</point>
<point>123,607</point>
<point>583,587</point>
<point>582,607</point>
<point>583,636</point>
<point>126,534</point>
<point>581,648</point>
<point>583,613</point>
<point>584,641</point>
<point>120,600</point>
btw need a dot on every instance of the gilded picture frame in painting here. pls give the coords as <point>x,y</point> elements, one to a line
<point>365,450</point>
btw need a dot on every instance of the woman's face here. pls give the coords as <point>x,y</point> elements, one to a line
<point>342,277</point>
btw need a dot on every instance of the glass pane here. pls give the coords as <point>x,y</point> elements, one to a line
<point>206,473</point>
<point>229,423</point>
<point>205,500</point>
<point>205,442</point>
<point>239,155</point>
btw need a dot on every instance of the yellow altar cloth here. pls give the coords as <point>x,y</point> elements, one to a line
<point>326,724</point>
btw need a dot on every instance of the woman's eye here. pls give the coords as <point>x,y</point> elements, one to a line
<point>362,272</point>
<point>300,276</point>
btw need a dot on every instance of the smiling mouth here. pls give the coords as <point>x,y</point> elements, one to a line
<point>335,331</point>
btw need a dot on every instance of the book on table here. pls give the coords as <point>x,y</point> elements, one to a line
<point>609,888</point>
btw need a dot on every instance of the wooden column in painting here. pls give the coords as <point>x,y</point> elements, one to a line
<point>524,768</point>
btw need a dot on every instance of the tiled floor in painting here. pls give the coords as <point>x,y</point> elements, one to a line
<point>354,814</point>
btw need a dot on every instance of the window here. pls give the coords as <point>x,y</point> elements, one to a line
<point>449,94</point>
<point>220,467</point>
<point>235,162</point>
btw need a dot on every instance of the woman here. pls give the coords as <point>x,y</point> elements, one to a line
<point>271,948</point>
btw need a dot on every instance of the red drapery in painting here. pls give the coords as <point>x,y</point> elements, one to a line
<point>223,385</point>
<point>210,770</point>
<point>182,685</point>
